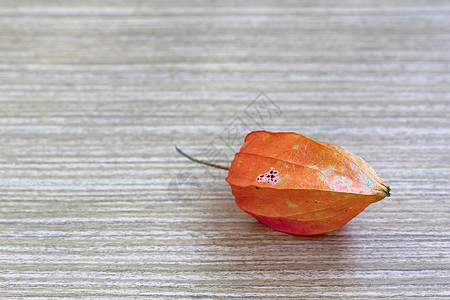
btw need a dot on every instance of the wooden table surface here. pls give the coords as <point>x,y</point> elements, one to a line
<point>95,201</point>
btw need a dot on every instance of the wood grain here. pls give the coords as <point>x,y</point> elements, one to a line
<point>95,201</point>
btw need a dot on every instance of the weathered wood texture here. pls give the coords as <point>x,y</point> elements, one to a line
<point>95,202</point>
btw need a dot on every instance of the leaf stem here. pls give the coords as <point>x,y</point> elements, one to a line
<point>199,161</point>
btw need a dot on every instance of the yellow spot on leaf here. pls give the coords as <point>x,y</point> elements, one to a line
<point>291,204</point>
<point>329,169</point>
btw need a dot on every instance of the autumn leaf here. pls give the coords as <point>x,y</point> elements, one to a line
<point>300,186</point>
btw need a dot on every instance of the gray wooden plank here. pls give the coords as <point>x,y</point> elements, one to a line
<point>95,202</point>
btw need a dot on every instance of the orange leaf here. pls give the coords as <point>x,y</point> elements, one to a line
<point>299,186</point>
